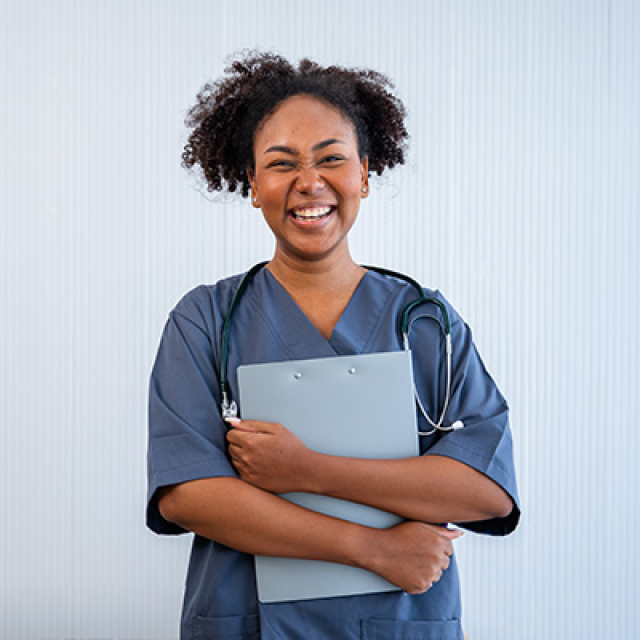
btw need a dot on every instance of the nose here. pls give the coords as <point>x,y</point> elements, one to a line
<point>309,180</point>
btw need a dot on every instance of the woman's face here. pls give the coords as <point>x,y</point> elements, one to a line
<point>308,178</point>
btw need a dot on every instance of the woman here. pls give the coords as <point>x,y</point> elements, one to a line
<point>303,142</point>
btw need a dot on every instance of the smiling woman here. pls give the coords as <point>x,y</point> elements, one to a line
<point>308,180</point>
<point>302,143</point>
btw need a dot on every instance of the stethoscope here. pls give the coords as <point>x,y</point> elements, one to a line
<point>229,407</point>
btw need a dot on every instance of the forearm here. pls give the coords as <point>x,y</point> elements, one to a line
<point>424,488</point>
<point>427,488</point>
<point>249,519</point>
<point>411,555</point>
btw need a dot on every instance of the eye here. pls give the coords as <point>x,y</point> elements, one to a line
<point>280,164</point>
<point>333,158</point>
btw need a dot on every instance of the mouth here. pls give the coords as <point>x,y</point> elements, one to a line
<point>311,214</point>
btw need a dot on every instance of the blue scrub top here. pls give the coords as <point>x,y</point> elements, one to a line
<point>187,442</point>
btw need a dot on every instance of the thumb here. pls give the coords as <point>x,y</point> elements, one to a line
<point>451,534</point>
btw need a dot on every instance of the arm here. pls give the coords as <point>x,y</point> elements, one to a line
<point>411,555</point>
<point>427,489</point>
<point>467,476</point>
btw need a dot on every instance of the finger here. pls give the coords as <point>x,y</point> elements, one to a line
<point>250,426</point>
<point>253,426</point>
<point>240,467</point>
<point>235,459</point>
<point>236,439</point>
<point>234,448</point>
<point>243,435</point>
<point>236,453</point>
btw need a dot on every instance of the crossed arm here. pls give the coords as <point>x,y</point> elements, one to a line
<point>245,514</point>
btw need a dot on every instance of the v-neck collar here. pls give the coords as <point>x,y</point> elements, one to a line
<point>300,337</point>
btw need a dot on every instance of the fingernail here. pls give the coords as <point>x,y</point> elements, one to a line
<point>233,421</point>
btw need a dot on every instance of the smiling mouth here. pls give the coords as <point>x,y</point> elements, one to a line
<point>311,214</point>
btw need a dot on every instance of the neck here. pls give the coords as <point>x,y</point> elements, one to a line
<point>320,276</point>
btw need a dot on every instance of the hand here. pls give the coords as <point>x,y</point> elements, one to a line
<point>267,455</point>
<point>413,555</point>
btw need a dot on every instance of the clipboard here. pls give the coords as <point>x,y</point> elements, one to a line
<point>356,406</point>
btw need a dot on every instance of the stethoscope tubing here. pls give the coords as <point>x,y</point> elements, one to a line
<point>228,405</point>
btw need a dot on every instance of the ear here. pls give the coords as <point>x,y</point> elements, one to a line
<point>255,198</point>
<point>364,191</point>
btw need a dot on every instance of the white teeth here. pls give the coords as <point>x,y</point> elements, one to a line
<point>316,212</point>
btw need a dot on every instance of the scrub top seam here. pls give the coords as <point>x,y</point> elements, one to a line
<point>457,445</point>
<point>271,327</point>
<point>180,314</point>
<point>208,460</point>
<point>394,294</point>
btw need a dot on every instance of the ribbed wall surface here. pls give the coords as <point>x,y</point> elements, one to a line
<point>520,201</point>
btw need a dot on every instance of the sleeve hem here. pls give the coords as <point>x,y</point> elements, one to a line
<point>197,471</point>
<point>497,473</point>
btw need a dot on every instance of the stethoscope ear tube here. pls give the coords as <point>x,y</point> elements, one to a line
<point>404,324</point>
<point>422,300</point>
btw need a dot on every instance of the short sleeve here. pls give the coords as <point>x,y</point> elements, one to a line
<point>186,433</point>
<point>485,442</point>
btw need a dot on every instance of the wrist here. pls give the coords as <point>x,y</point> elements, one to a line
<point>363,547</point>
<point>311,472</point>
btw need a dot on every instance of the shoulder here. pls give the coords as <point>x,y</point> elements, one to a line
<point>406,293</point>
<point>206,304</point>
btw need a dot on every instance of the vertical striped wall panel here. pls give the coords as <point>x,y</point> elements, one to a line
<point>519,200</point>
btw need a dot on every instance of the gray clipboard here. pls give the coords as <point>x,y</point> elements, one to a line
<point>359,406</point>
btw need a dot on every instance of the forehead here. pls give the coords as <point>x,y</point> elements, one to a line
<point>303,119</point>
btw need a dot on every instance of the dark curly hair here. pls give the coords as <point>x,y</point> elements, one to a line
<point>228,112</point>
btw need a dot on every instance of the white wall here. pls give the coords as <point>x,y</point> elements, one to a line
<point>520,201</point>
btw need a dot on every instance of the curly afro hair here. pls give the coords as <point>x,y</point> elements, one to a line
<point>224,120</point>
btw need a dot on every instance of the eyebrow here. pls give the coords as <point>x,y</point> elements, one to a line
<point>316,147</point>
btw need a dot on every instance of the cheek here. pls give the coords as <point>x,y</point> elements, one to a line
<point>352,185</point>
<point>346,183</point>
<point>271,190</point>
